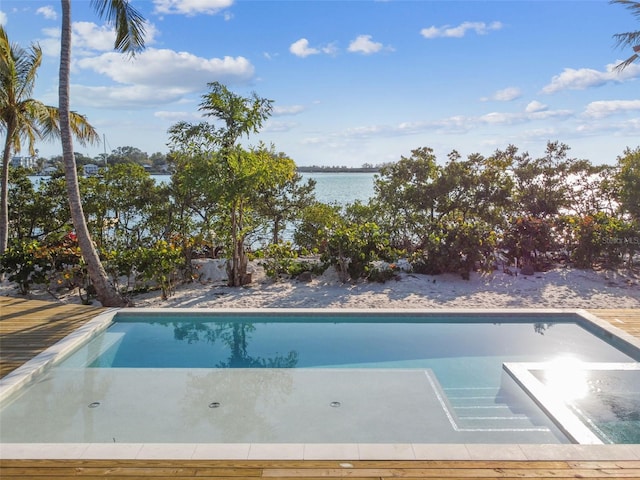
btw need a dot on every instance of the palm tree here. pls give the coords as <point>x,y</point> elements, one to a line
<point>25,118</point>
<point>129,26</point>
<point>629,39</point>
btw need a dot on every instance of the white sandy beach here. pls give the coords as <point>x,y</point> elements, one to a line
<point>558,288</point>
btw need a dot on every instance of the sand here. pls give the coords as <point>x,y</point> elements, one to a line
<point>557,288</point>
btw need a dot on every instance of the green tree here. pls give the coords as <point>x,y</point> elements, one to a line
<point>313,222</point>
<point>128,155</point>
<point>282,201</point>
<point>25,118</point>
<point>240,173</point>
<point>628,180</point>
<point>541,188</point>
<point>628,39</point>
<point>129,25</point>
<point>35,213</point>
<point>406,197</point>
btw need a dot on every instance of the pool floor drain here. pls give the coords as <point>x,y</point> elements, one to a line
<point>335,404</point>
<point>94,405</point>
<point>214,404</point>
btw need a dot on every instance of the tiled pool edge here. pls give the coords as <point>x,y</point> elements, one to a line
<point>506,452</point>
<point>317,451</point>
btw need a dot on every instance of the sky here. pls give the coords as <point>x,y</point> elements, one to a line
<point>354,82</point>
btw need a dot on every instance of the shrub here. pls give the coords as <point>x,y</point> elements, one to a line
<point>26,263</point>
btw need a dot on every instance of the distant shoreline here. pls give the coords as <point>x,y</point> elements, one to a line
<point>316,169</point>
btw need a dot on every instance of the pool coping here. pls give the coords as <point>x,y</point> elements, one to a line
<point>263,451</point>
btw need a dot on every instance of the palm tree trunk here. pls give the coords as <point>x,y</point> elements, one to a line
<point>4,201</point>
<point>105,291</point>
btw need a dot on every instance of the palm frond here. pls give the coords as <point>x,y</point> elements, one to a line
<point>628,39</point>
<point>128,22</point>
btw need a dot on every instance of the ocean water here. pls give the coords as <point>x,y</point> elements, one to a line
<point>339,188</point>
<point>342,188</point>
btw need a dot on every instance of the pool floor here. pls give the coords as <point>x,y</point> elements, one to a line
<point>265,406</point>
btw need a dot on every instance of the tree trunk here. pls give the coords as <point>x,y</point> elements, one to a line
<point>4,201</point>
<point>105,291</point>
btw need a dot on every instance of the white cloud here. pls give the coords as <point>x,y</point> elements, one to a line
<point>3,18</point>
<point>88,38</point>
<point>287,110</point>
<point>605,108</point>
<point>272,126</point>
<point>511,118</point>
<point>330,49</point>
<point>191,7</point>
<point>582,78</point>
<point>504,95</point>
<point>459,31</point>
<point>535,106</point>
<point>124,96</point>
<point>47,12</point>
<point>188,71</point>
<point>363,44</point>
<point>174,117</point>
<point>300,48</point>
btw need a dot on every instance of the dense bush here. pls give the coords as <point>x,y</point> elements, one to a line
<point>451,217</point>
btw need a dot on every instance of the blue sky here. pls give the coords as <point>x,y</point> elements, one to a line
<point>356,81</point>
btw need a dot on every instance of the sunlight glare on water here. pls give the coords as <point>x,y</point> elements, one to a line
<point>567,378</point>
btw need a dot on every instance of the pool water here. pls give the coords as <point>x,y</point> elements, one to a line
<point>308,378</point>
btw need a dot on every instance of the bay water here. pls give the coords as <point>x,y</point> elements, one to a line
<point>331,187</point>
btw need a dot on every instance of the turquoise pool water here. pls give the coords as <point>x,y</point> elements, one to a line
<point>311,378</point>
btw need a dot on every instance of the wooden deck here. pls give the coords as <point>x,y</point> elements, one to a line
<point>310,470</point>
<point>627,319</point>
<point>28,327</point>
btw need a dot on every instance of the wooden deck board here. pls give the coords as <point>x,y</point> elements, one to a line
<point>27,327</point>
<point>309,470</point>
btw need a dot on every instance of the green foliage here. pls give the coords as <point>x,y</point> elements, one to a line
<point>238,174</point>
<point>456,247</point>
<point>382,272</point>
<point>56,264</point>
<point>600,239</point>
<point>281,202</point>
<point>352,249</point>
<point>282,259</point>
<point>314,220</point>
<point>160,264</point>
<point>628,180</point>
<point>528,240</point>
<point>541,188</point>
<point>25,263</point>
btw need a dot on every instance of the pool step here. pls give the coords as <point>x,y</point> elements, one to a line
<point>487,408</point>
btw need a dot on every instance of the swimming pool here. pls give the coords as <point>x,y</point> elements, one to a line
<point>326,377</point>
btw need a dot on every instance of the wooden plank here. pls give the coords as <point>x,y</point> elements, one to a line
<point>234,470</point>
<point>28,327</point>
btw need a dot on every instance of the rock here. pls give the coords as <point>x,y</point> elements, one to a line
<point>527,270</point>
<point>305,277</point>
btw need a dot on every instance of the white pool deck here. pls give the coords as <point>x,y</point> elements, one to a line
<point>588,449</point>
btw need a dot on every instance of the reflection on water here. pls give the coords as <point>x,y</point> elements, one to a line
<point>253,342</point>
<point>235,336</point>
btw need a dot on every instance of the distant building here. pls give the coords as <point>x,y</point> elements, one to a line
<point>26,162</point>
<point>90,169</point>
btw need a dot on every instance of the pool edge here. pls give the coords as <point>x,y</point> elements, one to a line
<point>316,451</point>
<point>19,377</point>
